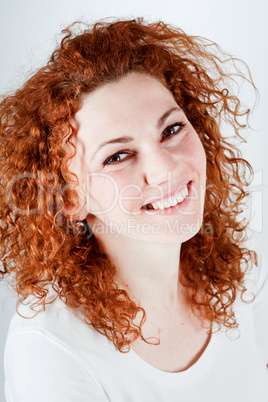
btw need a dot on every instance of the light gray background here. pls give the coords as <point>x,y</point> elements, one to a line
<point>28,31</point>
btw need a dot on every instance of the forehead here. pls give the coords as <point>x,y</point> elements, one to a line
<point>135,96</point>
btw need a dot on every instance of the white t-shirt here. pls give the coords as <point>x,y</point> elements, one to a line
<point>56,357</point>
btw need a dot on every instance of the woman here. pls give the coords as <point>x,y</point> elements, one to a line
<point>120,225</point>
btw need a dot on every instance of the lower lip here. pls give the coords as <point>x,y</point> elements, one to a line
<point>173,210</point>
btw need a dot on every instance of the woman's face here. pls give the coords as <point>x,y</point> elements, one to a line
<point>137,150</point>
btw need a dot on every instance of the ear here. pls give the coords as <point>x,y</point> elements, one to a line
<point>82,211</point>
<point>75,204</point>
<point>77,210</point>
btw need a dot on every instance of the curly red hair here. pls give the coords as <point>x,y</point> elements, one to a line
<point>40,246</point>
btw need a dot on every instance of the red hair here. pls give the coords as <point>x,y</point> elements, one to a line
<point>41,246</point>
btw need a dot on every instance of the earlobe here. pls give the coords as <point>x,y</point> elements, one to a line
<point>80,215</point>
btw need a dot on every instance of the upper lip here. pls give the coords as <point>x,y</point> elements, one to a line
<point>169,194</point>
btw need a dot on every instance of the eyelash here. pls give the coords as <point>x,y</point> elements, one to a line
<point>180,125</point>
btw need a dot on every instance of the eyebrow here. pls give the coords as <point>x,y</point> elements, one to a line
<point>125,139</point>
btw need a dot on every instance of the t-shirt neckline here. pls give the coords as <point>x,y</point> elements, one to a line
<point>182,377</point>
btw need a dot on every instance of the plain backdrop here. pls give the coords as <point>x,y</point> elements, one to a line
<point>29,30</point>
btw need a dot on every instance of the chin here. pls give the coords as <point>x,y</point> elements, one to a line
<point>169,232</point>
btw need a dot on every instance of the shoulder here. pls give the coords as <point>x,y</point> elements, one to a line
<point>256,282</point>
<point>45,350</point>
<point>57,322</point>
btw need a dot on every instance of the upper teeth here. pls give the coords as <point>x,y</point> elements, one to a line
<point>171,201</point>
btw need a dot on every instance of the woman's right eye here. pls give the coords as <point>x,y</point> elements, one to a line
<point>115,159</point>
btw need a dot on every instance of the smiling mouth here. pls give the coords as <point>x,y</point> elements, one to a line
<point>168,202</point>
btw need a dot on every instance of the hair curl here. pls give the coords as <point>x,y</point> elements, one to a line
<point>37,250</point>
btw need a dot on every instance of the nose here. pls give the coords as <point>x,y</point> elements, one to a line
<point>158,165</point>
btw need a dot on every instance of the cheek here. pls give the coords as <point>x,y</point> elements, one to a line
<point>106,192</point>
<point>102,192</point>
<point>198,161</point>
<point>129,196</point>
<point>197,155</point>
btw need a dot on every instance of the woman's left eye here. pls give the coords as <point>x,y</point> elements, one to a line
<point>172,130</point>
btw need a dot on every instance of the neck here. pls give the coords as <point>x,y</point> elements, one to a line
<point>148,272</point>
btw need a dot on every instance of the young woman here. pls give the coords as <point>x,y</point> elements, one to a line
<point>121,228</point>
